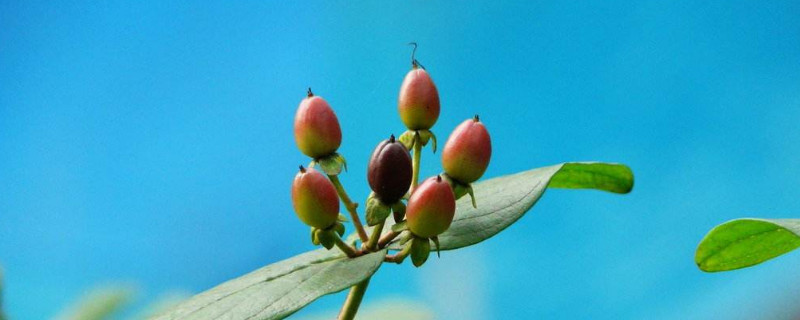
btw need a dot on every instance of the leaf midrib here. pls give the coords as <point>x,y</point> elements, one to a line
<point>737,241</point>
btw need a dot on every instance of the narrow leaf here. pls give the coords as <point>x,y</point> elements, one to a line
<point>502,201</point>
<point>278,290</point>
<point>745,242</point>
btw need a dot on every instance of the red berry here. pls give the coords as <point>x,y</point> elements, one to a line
<point>431,208</point>
<point>316,128</point>
<point>418,102</point>
<point>467,152</point>
<point>389,171</point>
<point>314,197</point>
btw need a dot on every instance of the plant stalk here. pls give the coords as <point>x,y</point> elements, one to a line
<point>347,249</point>
<point>353,301</point>
<point>351,208</point>
<point>388,237</point>
<point>416,161</point>
<point>376,234</point>
<point>400,256</point>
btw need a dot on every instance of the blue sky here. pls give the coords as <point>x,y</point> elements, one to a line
<point>151,143</point>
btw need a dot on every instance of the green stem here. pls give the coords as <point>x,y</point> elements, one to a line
<point>415,163</point>
<point>388,237</point>
<point>354,297</point>
<point>347,249</point>
<point>400,256</point>
<point>376,234</point>
<point>351,208</point>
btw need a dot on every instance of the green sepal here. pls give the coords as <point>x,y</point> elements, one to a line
<point>472,196</point>
<point>436,243</point>
<point>339,228</point>
<point>405,237</point>
<point>407,139</point>
<point>342,218</point>
<point>399,227</point>
<point>327,238</point>
<point>420,249</point>
<point>425,136</point>
<point>331,164</point>
<point>377,211</point>
<point>460,189</point>
<point>398,211</point>
<point>314,238</point>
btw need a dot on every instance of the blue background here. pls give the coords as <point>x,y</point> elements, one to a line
<point>152,143</point>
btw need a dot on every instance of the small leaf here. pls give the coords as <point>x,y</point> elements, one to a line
<point>377,211</point>
<point>342,218</point>
<point>407,139</point>
<point>436,243</point>
<point>399,211</point>
<point>404,237</point>
<point>424,137</point>
<point>326,238</point>
<point>472,196</point>
<point>506,199</point>
<point>399,227</point>
<point>342,161</point>
<point>420,250</point>
<point>314,238</point>
<point>745,242</point>
<point>339,228</point>
<point>331,164</point>
<point>433,136</point>
<point>278,290</point>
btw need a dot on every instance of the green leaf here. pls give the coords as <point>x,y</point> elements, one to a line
<point>100,303</point>
<point>420,250</point>
<point>407,139</point>
<point>503,200</point>
<point>278,290</point>
<point>602,176</point>
<point>745,242</point>
<point>331,164</point>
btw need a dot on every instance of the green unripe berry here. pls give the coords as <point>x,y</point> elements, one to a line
<point>389,171</point>
<point>316,128</point>
<point>431,208</point>
<point>314,198</point>
<point>467,151</point>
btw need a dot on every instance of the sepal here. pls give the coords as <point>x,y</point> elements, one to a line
<point>331,164</point>
<point>377,211</point>
<point>420,250</point>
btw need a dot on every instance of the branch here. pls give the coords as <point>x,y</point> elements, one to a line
<point>351,208</point>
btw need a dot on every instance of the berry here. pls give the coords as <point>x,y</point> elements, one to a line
<point>431,208</point>
<point>418,102</point>
<point>467,151</point>
<point>389,171</point>
<point>314,197</point>
<point>316,128</point>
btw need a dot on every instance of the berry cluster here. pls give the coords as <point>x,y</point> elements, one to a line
<point>392,174</point>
